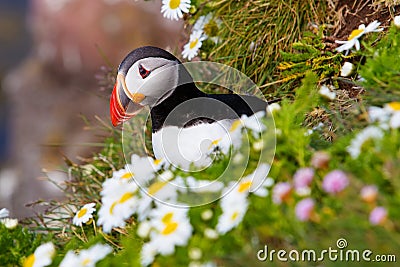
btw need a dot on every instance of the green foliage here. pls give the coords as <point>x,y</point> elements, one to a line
<point>381,70</point>
<point>18,243</point>
<point>253,34</point>
<point>308,54</point>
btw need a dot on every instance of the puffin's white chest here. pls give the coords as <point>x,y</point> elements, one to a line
<point>183,146</point>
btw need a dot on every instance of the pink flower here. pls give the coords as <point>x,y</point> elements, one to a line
<point>281,192</point>
<point>302,179</point>
<point>369,193</point>
<point>335,181</point>
<point>378,216</point>
<point>304,209</point>
<point>320,160</point>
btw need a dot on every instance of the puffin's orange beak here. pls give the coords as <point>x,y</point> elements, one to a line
<point>120,102</point>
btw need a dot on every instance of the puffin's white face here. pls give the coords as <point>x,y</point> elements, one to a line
<point>150,80</point>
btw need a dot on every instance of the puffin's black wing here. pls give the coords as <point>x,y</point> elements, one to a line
<point>241,104</point>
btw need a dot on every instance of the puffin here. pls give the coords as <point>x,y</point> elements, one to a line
<point>185,121</point>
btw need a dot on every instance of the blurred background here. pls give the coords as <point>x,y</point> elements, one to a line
<point>55,56</point>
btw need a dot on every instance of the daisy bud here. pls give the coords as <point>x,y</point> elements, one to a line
<point>210,233</point>
<point>304,209</point>
<point>369,193</point>
<point>206,215</point>
<point>397,21</point>
<point>378,216</point>
<point>281,192</point>
<point>346,69</point>
<point>195,253</point>
<point>320,160</point>
<point>335,181</point>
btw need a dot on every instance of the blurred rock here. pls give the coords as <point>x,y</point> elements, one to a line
<point>55,85</point>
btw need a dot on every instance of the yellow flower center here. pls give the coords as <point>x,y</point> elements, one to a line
<point>167,218</point>
<point>170,228</point>
<point>157,186</point>
<point>174,4</point>
<point>355,33</point>
<point>127,175</point>
<point>394,105</point>
<point>244,186</point>
<point>86,261</point>
<point>82,212</point>
<point>29,261</point>
<point>125,197</point>
<point>194,43</point>
<point>234,215</point>
<point>235,125</point>
<point>157,161</point>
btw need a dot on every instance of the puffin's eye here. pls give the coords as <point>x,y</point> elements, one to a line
<point>143,72</point>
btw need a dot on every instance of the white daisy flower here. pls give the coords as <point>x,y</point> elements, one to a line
<point>148,253</point>
<point>84,214</point>
<point>387,117</point>
<point>143,169</point>
<point>371,132</point>
<point>325,92</point>
<point>346,69</point>
<point>378,114</point>
<point>231,216</point>
<point>203,186</point>
<point>163,189</point>
<point>231,139</point>
<point>355,35</point>
<point>254,123</point>
<point>119,200</point>
<point>207,24</point>
<point>256,183</point>
<point>9,223</point>
<point>201,22</point>
<point>191,49</point>
<point>42,256</point>
<point>273,108</point>
<point>174,9</point>
<point>394,109</point>
<point>4,213</point>
<point>87,257</point>
<point>171,227</point>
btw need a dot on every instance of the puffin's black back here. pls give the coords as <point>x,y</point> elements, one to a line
<point>144,52</point>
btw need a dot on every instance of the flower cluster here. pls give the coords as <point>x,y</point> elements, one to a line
<point>43,256</point>
<point>205,27</point>
<point>333,183</point>
<point>147,191</point>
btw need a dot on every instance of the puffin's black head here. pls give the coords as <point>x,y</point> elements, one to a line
<point>146,76</point>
